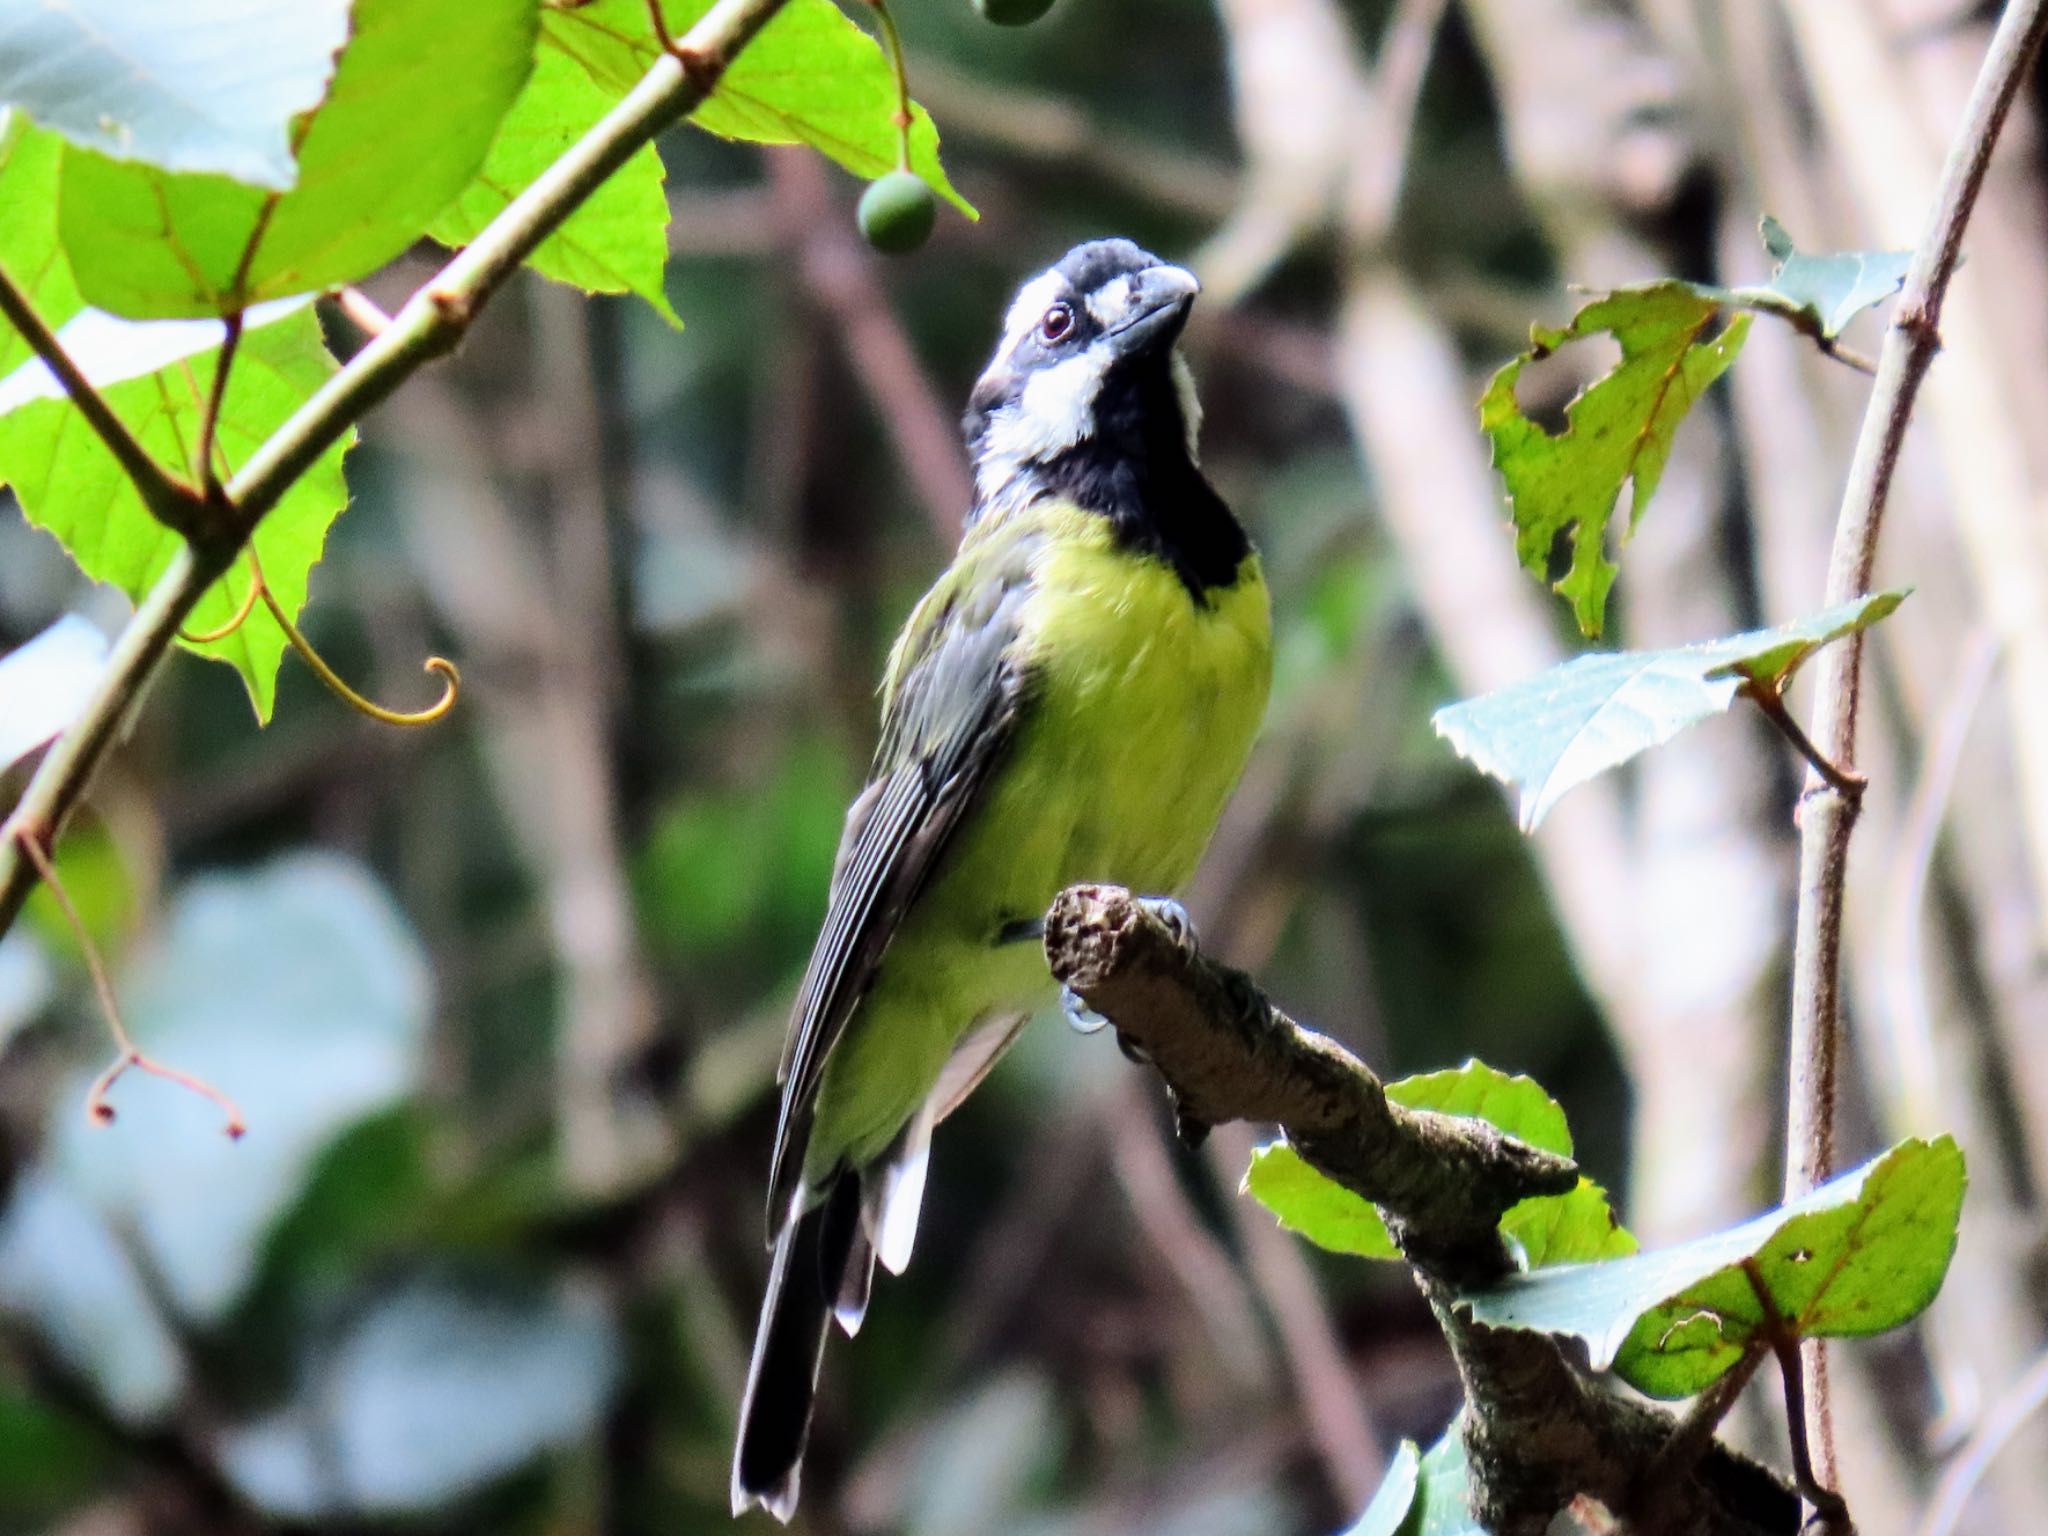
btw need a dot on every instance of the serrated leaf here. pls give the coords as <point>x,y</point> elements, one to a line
<point>45,683</point>
<point>1550,1229</point>
<point>617,241</point>
<point>1556,730</point>
<point>416,98</point>
<point>70,485</point>
<point>1828,291</point>
<point>1858,1256</point>
<point>1618,430</point>
<point>812,76</point>
<point>29,251</point>
<point>201,85</point>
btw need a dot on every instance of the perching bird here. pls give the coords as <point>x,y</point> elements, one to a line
<point>1073,700</point>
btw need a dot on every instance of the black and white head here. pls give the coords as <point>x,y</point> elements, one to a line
<point>1086,382</point>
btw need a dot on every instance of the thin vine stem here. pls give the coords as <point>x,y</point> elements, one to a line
<point>428,326</point>
<point>1827,814</point>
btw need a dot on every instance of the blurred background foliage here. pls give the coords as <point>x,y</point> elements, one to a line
<point>502,999</point>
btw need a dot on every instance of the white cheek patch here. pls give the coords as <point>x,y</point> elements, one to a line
<point>1054,412</point>
<point>1190,405</point>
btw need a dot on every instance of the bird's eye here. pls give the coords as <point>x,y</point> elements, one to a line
<point>1057,322</point>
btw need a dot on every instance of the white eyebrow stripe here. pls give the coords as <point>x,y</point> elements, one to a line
<point>1033,300</point>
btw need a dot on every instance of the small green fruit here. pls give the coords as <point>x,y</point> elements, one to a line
<point>1012,13</point>
<point>897,213</point>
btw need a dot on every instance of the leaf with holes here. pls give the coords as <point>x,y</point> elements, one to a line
<point>200,85</point>
<point>416,98</point>
<point>811,77</point>
<point>1548,1229</point>
<point>70,485</point>
<point>1552,732</point>
<point>1860,1255</point>
<point>1618,430</point>
<point>617,241</point>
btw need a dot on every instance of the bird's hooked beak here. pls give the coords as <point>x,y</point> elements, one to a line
<point>1153,306</point>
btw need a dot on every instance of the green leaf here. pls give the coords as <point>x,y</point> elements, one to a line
<point>1552,1229</point>
<point>1860,1255</point>
<point>1618,433</point>
<point>617,241</point>
<point>1441,1501</point>
<point>1823,292</point>
<point>29,251</point>
<point>200,85</point>
<point>416,98</point>
<point>811,77</point>
<point>70,485</point>
<point>1556,730</point>
<point>1390,1505</point>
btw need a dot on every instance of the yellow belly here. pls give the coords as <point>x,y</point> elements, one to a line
<point>1143,709</point>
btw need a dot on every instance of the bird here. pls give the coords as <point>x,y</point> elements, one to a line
<point>1073,700</point>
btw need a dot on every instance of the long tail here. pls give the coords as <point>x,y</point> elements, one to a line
<point>814,1255</point>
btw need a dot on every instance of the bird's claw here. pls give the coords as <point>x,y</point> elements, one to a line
<point>1174,917</point>
<point>1083,1019</point>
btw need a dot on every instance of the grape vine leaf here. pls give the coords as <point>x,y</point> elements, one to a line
<point>1858,1256</point>
<point>1549,1229</point>
<point>1552,732</point>
<point>1394,1497</point>
<point>1618,430</point>
<point>617,241</point>
<point>29,250</point>
<point>202,85</point>
<point>405,126</point>
<point>71,486</point>
<point>811,77</point>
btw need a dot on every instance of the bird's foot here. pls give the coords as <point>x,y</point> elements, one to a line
<point>1085,1020</point>
<point>1176,920</point>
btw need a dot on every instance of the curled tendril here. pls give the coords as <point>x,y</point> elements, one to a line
<point>212,636</point>
<point>127,1053</point>
<point>450,678</point>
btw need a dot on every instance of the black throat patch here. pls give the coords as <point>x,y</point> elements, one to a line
<point>1134,469</point>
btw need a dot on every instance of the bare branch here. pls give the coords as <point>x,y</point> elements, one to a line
<point>1828,816</point>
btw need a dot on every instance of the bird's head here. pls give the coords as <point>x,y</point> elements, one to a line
<point>1086,373</point>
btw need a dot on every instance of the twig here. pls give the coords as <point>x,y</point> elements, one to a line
<point>430,324</point>
<point>1828,817</point>
<point>1959,1479</point>
<point>362,311</point>
<point>209,422</point>
<point>1783,1341</point>
<point>168,499</point>
<point>1770,699</point>
<point>127,1053</point>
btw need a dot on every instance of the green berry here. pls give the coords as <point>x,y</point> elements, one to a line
<point>1012,13</point>
<point>897,213</point>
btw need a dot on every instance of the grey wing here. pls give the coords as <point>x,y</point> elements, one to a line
<point>948,726</point>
